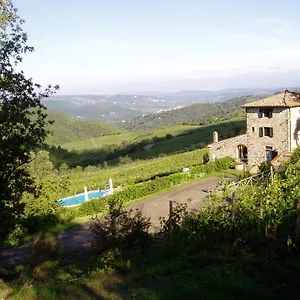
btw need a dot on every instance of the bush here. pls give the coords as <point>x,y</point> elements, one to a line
<point>122,229</point>
<point>92,207</point>
<point>168,136</point>
<point>224,163</point>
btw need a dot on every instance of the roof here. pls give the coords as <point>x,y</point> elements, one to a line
<point>285,99</point>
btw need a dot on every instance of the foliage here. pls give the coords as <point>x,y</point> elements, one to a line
<point>91,207</point>
<point>196,114</point>
<point>97,177</point>
<point>122,229</point>
<point>295,158</point>
<point>157,184</point>
<point>22,118</point>
<point>41,211</point>
<point>179,213</point>
<point>262,212</point>
<point>142,145</point>
<point>212,255</point>
<point>67,129</point>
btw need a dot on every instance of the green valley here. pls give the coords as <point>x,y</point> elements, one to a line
<point>68,129</point>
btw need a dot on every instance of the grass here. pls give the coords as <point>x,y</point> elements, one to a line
<point>127,137</point>
<point>212,269</point>
<point>156,275</point>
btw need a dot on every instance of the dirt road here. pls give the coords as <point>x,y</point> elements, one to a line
<point>79,239</point>
<point>158,206</point>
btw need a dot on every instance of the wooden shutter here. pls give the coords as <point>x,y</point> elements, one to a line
<point>271,131</point>
<point>260,114</point>
<point>261,132</point>
<point>271,114</point>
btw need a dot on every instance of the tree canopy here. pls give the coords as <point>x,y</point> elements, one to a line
<point>22,118</point>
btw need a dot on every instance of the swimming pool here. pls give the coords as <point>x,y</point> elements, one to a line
<point>78,199</point>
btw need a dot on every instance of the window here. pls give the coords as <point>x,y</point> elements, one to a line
<point>266,131</point>
<point>253,129</point>
<point>265,113</point>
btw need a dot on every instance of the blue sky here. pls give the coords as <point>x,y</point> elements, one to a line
<point>112,46</point>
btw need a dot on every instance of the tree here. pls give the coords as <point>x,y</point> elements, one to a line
<point>22,118</point>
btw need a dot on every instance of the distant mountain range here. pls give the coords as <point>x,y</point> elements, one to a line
<point>195,114</point>
<point>123,107</point>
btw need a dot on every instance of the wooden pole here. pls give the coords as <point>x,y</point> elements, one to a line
<point>170,221</point>
<point>297,206</point>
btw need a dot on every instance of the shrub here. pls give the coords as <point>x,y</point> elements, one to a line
<point>168,136</point>
<point>224,163</point>
<point>123,229</point>
<point>92,207</point>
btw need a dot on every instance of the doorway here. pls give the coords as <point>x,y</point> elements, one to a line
<point>270,155</point>
<point>242,153</point>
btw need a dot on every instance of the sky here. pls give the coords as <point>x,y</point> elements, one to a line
<point>123,46</point>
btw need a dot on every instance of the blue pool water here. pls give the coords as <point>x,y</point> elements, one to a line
<point>78,199</point>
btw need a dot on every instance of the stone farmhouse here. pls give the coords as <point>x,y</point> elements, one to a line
<point>273,129</point>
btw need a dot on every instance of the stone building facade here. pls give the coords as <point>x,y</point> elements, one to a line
<point>273,127</point>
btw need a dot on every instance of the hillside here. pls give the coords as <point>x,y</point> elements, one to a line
<point>120,107</point>
<point>123,148</point>
<point>68,129</point>
<point>93,108</point>
<point>196,114</point>
<point>129,137</point>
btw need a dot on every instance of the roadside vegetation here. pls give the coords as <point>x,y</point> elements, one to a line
<point>43,211</point>
<point>242,249</point>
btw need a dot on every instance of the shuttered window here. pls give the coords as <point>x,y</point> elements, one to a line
<point>270,114</point>
<point>265,131</point>
<point>265,113</point>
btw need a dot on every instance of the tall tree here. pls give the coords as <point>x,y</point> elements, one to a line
<point>22,118</point>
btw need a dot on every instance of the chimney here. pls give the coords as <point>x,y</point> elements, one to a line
<point>215,137</point>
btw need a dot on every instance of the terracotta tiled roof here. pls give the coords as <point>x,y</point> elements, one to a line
<point>285,99</point>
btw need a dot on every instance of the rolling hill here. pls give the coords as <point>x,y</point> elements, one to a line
<point>128,137</point>
<point>68,129</point>
<point>195,114</point>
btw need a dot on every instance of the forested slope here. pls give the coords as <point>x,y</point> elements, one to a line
<point>67,129</point>
<point>196,114</point>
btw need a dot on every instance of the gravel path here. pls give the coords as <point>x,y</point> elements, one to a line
<point>158,206</point>
<point>78,240</point>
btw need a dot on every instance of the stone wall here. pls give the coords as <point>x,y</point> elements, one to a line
<point>285,124</point>
<point>227,147</point>
<point>257,145</point>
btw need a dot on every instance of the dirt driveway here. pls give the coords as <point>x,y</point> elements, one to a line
<point>158,206</point>
<point>79,239</point>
